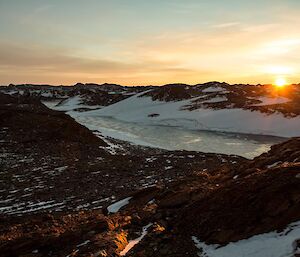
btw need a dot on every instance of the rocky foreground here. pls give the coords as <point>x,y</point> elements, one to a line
<point>66,191</point>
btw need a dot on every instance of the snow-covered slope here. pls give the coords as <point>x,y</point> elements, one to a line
<point>272,244</point>
<point>271,100</point>
<point>73,103</point>
<point>145,110</point>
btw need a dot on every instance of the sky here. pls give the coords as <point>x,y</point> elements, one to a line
<point>149,42</point>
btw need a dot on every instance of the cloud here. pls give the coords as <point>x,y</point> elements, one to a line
<point>226,25</point>
<point>42,8</point>
<point>35,64</point>
<point>58,60</point>
<point>233,51</point>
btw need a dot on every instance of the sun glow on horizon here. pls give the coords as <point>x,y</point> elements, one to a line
<point>280,70</point>
<point>280,82</point>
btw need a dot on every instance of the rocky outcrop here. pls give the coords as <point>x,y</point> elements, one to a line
<point>226,205</point>
<point>173,92</point>
<point>74,234</point>
<point>28,121</point>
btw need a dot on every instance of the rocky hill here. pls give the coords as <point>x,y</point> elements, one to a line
<point>68,191</point>
<point>214,106</point>
<point>216,95</point>
<point>224,206</point>
<point>90,93</point>
<point>212,95</point>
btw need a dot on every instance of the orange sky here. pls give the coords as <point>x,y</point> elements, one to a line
<point>139,42</point>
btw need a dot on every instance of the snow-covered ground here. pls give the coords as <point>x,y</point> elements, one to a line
<point>70,104</point>
<point>51,104</point>
<point>129,121</point>
<point>213,89</point>
<point>173,138</point>
<point>217,99</point>
<point>272,100</point>
<point>141,109</point>
<point>134,242</point>
<point>115,207</point>
<point>274,244</point>
<point>166,125</point>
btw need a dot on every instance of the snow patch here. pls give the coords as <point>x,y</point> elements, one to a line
<point>69,104</point>
<point>136,109</point>
<point>271,244</point>
<point>73,103</point>
<point>271,100</point>
<point>212,89</point>
<point>134,242</point>
<point>274,165</point>
<point>217,99</point>
<point>115,207</point>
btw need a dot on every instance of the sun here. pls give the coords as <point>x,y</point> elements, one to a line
<point>280,82</point>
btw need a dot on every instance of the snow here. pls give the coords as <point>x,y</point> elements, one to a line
<point>136,109</point>
<point>274,164</point>
<point>173,138</point>
<point>47,94</point>
<point>132,243</point>
<point>51,104</point>
<point>84,243</point>
<point>216,99</point>
<point>73,103</point>
<point>212,89</point>
<point>61,169</point>
<point>69,104</point>
<point>159,132</point>
<point>111,148</point>
<point>21,208</point>
<point>178,129</point>
<point>109,132</point>
<point>115,207</point>
<point>272,100</point>
<point>273,244</point>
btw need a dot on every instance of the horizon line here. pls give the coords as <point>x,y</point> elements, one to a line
<point>150,85</point>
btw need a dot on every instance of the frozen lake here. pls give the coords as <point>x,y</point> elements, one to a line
<point>174,138</point>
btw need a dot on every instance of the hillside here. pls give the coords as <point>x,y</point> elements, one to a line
<point>228,205</point>
<point>69,191</point>
<point>216,107</point>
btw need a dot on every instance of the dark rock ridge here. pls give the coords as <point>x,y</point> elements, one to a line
<point>27,120</point>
